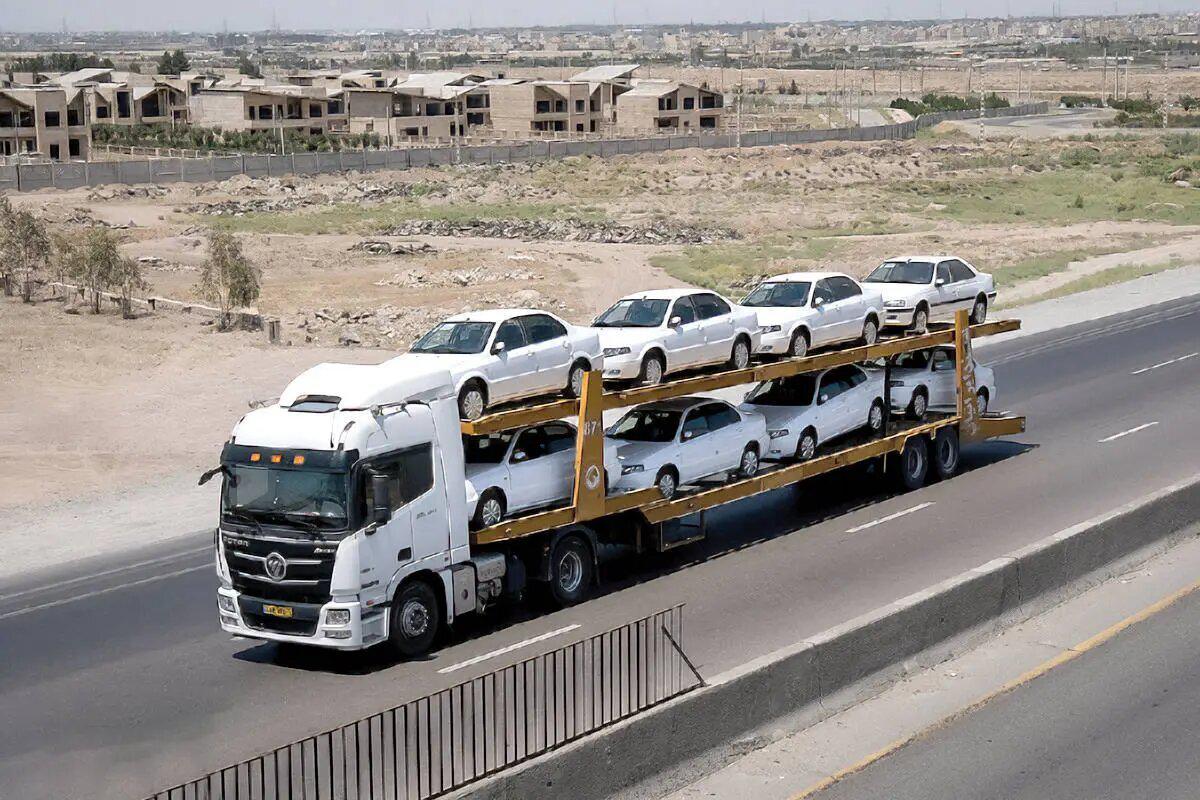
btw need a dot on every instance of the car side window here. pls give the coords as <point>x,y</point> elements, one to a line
<point>530,444</point>
<point>684,310</point>
<point>542,328</point>
<point>942,360</point>
<point>559,437</point>
<point>833,384</point>
<point>855,376</point>
<point>709,306</point>
<point>720,415</point>
<point>960,271</point>
<point>823,291</point>
<point>943,272</point>
<point>696,424</point>
<point>512,334</point>
<point>409,474</point>
<point>845,288</point>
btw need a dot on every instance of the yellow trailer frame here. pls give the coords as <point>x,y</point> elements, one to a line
<point>590,501</point>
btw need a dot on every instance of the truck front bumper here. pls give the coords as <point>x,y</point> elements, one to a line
<point>308,624</point>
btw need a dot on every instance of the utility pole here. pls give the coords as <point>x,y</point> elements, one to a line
<point>982,97</point>
<point>1104,75</point>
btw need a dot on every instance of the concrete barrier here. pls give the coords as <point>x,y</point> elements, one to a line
<point>102,172</point>
<point>35,176</point>
<point>198,170</point>
<point>166,170</point>
<point>826,673</point>
<point>304,164</point>
<point>256,166</point>
<point>9,179</point>
<point>133,171</point>
<point>70,175</point>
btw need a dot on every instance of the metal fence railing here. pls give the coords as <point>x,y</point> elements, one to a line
<point>435,744</point>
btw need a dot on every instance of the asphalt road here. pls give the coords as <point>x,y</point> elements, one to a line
<point>125,674</point>
<point>1117,722</point>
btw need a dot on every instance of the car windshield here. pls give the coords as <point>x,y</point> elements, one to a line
<point>780,295</point>
<point>797,390</point>
<point>458,338</point>
<point>271,494</point>
<point>646,425</point>
<point>633,314</point>
<point>902,272</point>
<point>916,359</point>
<point>489,449</point>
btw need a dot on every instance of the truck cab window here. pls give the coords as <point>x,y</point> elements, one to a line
<point>409,474</point>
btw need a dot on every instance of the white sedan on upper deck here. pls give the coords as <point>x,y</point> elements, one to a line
<point>650,334</point>
<point>917,289</point>
<point>506,354</point>
<point>811,309</point>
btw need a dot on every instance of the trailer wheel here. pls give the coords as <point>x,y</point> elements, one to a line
<point>945,453</point>
<point>918,405</point>
<point>571,571</point>
<point>913,463</point>
<point>416,617</point>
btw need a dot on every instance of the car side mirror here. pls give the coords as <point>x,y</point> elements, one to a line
<point>822,399</point>
<point>818,302</point>
<point>940,282</point>
<point>381,506</point>
<point>519,455</point>
<point>498,348</point>
<point>688,436</point>
<point>674,322</point>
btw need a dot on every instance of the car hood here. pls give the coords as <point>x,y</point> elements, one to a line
<point>648,454</point>
<point>456,364</point>
<point>895,291</point>
<point>626,337</point>
<point>776,416</point>
<point>781,315</point>
<point>485,474</point>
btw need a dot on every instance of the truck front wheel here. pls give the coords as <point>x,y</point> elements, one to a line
<point>416,618</point>
<point>572,571</point>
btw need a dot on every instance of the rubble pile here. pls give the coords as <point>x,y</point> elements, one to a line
<point>472,276</point>
<point>379,247</point>
<point>289,194</point>
<point>563,230</point>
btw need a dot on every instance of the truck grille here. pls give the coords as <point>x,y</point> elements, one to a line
<point>303,622</point>
<point>254,565</point>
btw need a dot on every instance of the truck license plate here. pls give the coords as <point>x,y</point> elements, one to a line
<point>284,612</point>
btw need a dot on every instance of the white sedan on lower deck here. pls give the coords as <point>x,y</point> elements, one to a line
<point>685,439</point>
<point>924,379</point>
<point>803,411</point>
<point>525,469</point>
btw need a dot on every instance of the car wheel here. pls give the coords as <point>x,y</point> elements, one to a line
<point>979,311</point>
<point>945,453</point>
<point>571,571</point>
<point>739,357</point>
<point>415,619</point>
<point>875,417</point>
<point>799,346</point>
<point>489,510</point>
<point>652,370</point>
<point>920,320</point>
<point>472,401</point>
<point>981,400</point>
<point>919,405</point>
<point>667,482</point>
<point>914,463</point>
<point>806,445</point>
<point>870,333</point>
<point>575,379</point>
<point>748,466</point>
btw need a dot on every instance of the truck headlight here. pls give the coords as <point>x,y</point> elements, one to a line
<point>609,352</point>
<point>226,604</point>
<point>778,434</point>
<point>337,616</point>
<point>629,468</point>
<point>769,328</point>
<point>893,304</point>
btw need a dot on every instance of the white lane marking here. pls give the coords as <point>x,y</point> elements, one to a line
<point>98,592</point>
<point>889,517</point>
<point>103,573</point>
<point>534,640</point>
<point>1116,436</point>
<point>1166,363</point>
<point>1117,327</point>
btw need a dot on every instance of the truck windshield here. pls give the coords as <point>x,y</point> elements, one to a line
<point>633,314</point>
<point>901,272</point>
<point>268,494</point>
<point>455,338</point>
<point>489,449</point>
<point>779,295</point>
<point>646,425</point>
<point>796,390</point>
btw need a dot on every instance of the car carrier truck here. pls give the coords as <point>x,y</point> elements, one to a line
<point>344,515</point>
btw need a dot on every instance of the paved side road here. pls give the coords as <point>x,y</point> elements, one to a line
<point>1118,722</point>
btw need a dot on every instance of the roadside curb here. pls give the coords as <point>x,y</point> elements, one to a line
<point>751,705</point>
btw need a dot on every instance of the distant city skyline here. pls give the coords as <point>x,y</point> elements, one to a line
<point>154,15</point>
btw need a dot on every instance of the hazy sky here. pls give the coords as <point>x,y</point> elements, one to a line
<point>43,15</point>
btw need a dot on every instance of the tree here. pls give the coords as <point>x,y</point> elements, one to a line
<point>227,277</point>
<point>126,278</point>
<point>7,221</point>
<point>246,66</point>
<point>97,263</point>
<point>1187,102</point>
<point>173,63</point>
<point>24,244</point>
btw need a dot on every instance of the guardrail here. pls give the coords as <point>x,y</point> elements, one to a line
<point>75,174</point>
<point>435,744</point>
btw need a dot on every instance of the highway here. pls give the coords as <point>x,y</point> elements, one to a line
<point>1117,722</point>
<point>124,674</point>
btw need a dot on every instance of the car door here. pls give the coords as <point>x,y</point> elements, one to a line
<point>560,455</point>
<point>942,378</point>
<point>697,452</point>
<point>850,306</point>
<point>826,319</point>
<point>966,284</point>
<point>551,348</point>
<point>944,292</point>
<point>512,370</point>
<point>685,340</point>
<point>532,481</point>
<point>858,398</point>
<point>716,319</point>
<point>831,403</point>
<point>726,434</point>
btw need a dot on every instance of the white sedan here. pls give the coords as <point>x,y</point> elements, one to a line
<point>685,439</point>
<point>650,334</point>
<point>812,309</point>
<point>506,354</point>
<point>925,379</point>
<point>803,411</point>
<point>920,288</point>
<point>520,470</point>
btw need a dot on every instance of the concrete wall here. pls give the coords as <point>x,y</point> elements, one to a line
<point>29,177</point>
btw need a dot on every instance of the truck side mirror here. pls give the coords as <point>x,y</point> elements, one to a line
<point>381,506</point>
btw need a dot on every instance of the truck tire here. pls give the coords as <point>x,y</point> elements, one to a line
<point>919,404</point>
<point>572,571</point>
<point>415,619</point>
<point>945,453</point>
<point>913,463</point>
<point>653,369</point>
<point>472,400</point>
